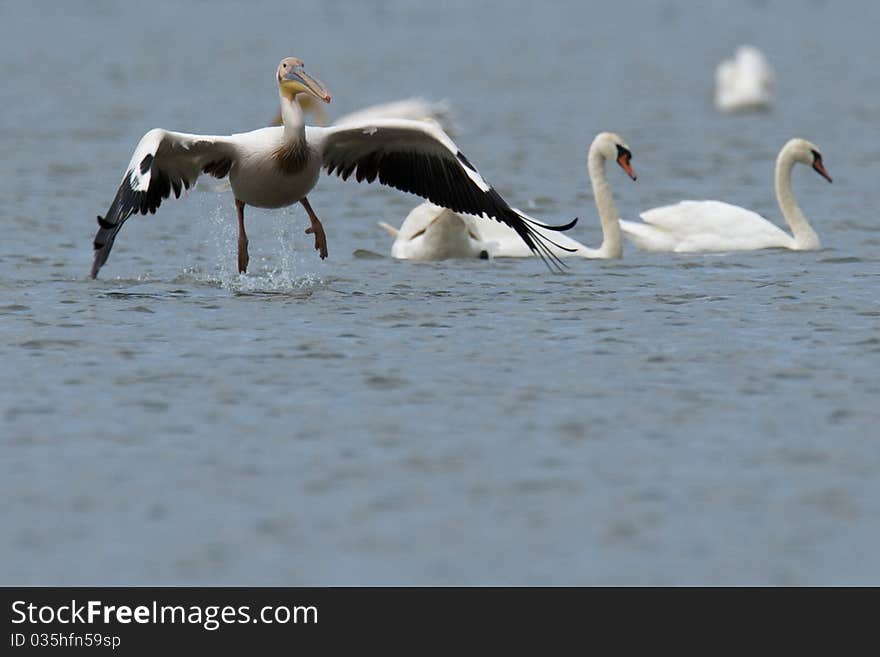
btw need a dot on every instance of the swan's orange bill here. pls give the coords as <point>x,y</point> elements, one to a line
<point>820,169</point>
<point>623,161</point>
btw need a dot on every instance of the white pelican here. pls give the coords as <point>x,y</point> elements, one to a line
<point>744,82</point>
<point>277,166</point>
<point>430,232</point>
<point>713,226</point>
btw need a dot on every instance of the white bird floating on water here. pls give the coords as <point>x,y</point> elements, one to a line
<point>431,232</point>
<point>277,166</point>
<point>415,109</point>
<point>713,226</point>
<point>744,83</point>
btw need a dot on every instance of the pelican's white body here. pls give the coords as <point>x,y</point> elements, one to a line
<point>256,179</point>
<point>745,82</point>
<point>713,226</point>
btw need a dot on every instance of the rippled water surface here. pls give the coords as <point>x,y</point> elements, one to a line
<point>656,420</point>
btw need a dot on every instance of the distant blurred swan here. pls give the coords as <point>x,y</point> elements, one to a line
<point>744,82</point>
<point>713,226</point>
<point>414,109</point>
<point>431,232</point>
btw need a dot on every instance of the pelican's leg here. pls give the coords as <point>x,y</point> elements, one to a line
<point>316,228</point>
<point>242,239</point>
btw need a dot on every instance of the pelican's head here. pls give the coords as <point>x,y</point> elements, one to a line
<point>807,153</point>
<point>612,147</point>
<point>293,80</point>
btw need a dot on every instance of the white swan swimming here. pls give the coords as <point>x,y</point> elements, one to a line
<point>414,109</point>
<point>431,232</point>
<point>713,226</point>
<point>745,82</point>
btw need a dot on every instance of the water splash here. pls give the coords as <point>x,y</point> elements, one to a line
<point>278,271</point>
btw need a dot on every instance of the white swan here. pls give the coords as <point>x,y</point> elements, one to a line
<point>430,232</point>
<point>415,109</point>
<point>745,82</point>
<point>713,226</point>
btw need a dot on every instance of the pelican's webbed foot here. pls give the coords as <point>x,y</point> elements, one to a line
<point>320,238</point>
<point>316,229</point>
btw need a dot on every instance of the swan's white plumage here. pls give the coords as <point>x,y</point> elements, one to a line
<point>714,226</point>
<point>744,82</point>
<point>704,226</point>
<point>429,230</point>
<point>414,109</point>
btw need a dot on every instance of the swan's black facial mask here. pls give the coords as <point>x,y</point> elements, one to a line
<point>819,167</point>
<point>623,159</point>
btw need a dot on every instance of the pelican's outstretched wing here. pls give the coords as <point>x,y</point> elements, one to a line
<point>163,161</point>
<point>418,157</point>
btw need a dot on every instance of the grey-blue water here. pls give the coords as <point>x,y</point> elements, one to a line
<point>657,420</point>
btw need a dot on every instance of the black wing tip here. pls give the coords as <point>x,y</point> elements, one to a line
<point>101,253</point>
<point>97,263</point>
<point>553,262</point>
<point>129,201</point>
<point>102,244</point>
<point>559,229</point>
<point>540,246</point>
<point>571,224</point>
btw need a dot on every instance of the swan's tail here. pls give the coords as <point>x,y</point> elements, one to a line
<point>391,229</point>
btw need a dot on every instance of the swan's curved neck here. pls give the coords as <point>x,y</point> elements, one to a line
<point>612,241</point>
<point>804,235</point>
<point>293,119</point>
